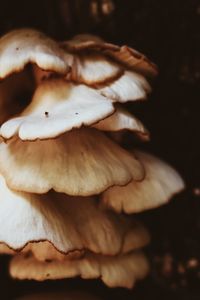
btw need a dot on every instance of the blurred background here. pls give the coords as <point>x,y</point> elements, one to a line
<point>168,32</point>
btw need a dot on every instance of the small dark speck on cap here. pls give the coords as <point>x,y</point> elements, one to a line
<point>46,114</point>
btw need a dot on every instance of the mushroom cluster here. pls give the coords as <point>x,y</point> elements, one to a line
<point>65,180</point>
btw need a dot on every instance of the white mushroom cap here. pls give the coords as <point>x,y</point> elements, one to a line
<point>42,251</point>
<point>23,46</point>
<point>116,71</point>
<point>57,106</point>
<point>124,55</point>
<point>161,183</point>
<point>133,60</point>
<point>129,87</point>
<point>88,66</point>
<point>114,271</point>
<point>93,69</point>
<point>123,120</point>
<point>80,163</point>
<point>67,223</point>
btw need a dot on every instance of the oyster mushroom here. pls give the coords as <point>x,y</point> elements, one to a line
<point>114,271</point>
<point>161,183</point>
<point>123,120</point>
<point>129,87</point>
<point>19,50</point>
<point>69,224</point>
<point>93,69</point>
<point>124,55</point>
<point>56,160</point>
<point>42,251</point>
<point>57,107</point>
<point>75,164</point>
<point>23,46</point>
<point>118,72</point>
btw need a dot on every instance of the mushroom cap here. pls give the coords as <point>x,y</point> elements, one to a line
<point>42,251</point>
<point>84,41</point>
<point>124,55</point>
<point>133,60</point>
<point>67,223</point>
<point>161,183</point>
<point>102,65</point>
<point>90,66</point>
<point>22,46</point>
<point>71,164</point>
<point>93,69</point>
<point>13,89</point>
<point>123,120</point>
<point>65,295</point>
<point>57,106</point>
<point>114,271</point>
<point>129,87</point>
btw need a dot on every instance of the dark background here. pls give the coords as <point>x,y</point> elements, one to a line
<point>168,32</point>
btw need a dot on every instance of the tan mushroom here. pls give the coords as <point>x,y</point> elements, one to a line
<point>42,251</point>
<point>114,271</point>
<point>57,106</point>
<point>117,72</point>
<point>93,69</point>
<point>67,223</point>
<point>61,173</point>
<point>129,87</point>
<point>80,163</point>
<point>124,55</point>
<point>161,183</point>
<point>123,120</point>
<point>22,46</point>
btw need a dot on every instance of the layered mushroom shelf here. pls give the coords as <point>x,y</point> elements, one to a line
<point>66,182</point>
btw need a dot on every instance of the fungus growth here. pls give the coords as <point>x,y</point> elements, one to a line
<point>64,179</point>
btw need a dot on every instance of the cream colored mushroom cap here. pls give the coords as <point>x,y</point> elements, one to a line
<point>161,183</point>
<point>129,87</point>
<point>66,223</point>
<point>22,46</point>
<point>71,164</point>
<point>88,66</point>
<point>128,57</point>
<point>112,79</point>
<point>114,271</point>
<point>123,120</point>
<point>115,71</point>
<point>130,236</point>
<point>93,69</point>
<point>57,107</point>
<point>42,251</point>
